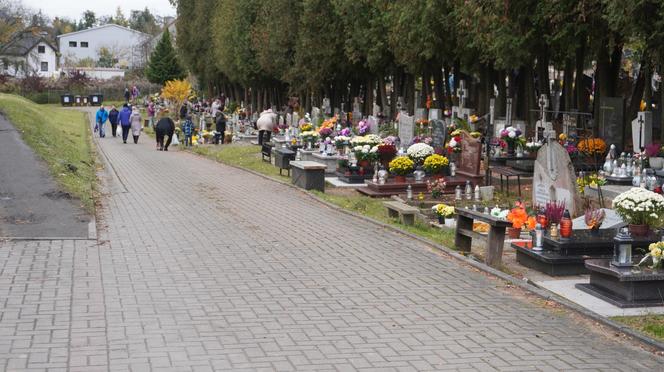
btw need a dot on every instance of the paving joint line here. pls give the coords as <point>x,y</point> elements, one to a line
<point>526,285</point>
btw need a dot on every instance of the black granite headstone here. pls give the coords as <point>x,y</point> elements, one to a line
<point>439,132</point>
<point>611,120</point>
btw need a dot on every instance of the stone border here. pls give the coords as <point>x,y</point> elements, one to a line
<point>523,284</point>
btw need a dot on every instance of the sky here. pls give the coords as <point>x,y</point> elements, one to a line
<point>73,9</point>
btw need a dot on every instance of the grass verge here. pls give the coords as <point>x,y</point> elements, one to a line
<point>61,138</point>
<point>651,325</point>
<point>249,157</point>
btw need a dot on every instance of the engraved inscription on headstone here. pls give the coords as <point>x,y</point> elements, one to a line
<point>439,133</point>
<point>554,178</point>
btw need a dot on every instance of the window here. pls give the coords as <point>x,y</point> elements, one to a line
<point>41,49</point>
<point>84,44</point>
<point>72,44</point>
<point>44,66</point>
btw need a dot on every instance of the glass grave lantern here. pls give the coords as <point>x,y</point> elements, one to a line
<point>622,249</point>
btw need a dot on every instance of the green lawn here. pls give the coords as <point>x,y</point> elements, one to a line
<point>249,157</point>
<point>60,137</point>
<point>651,325</point>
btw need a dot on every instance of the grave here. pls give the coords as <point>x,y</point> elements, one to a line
<point>611,117</point>
<point>624,286</point>
<point>308,175</point>
<point>406,128</point>
<point>439,133</point>
<point>391,187</point>
<point>372,121</point>
<point>435,114</point>
<point>642,130</point>
<point>562,257</point>
<point>554,178</point>
<point>469,160</point>
<point>330,161</point>
<point>461,111</point>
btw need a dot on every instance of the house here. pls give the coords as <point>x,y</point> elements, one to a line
<point>109,45</point>
<point>29,52</point>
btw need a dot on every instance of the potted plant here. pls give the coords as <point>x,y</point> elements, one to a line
<point>365,155</point>
<point>443,211</point>
<point>554,211</point>
<point>419,152</point>
<point>518,217</point>
<point>436,188</point>
<point>435,164</point>
<point>401,166</point>
<point>386,152</point>
<point>640,208</point>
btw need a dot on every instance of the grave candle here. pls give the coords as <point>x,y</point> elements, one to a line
<point>539,238</point>
<point>622,249</point>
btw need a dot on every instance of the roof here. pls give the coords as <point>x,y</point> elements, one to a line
<point>102,27</point>
<point>23,43</point>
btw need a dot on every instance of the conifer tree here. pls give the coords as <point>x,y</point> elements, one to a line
<point>164,64</point>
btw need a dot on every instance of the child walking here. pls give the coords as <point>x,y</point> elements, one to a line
<point>187,130</point>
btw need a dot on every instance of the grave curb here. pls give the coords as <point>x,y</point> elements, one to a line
<point>525,285</point>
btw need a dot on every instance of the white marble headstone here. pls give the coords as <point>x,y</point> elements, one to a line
<point>406,128</point>
<point>646,130</point>
<point>554,178</point>
<point>373,124</point>
<point>435,114</point>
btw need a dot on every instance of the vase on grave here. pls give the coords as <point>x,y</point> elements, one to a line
<point>656,163</point>
<point>441,220</point>
<point>513,232</point>
<point>638,230</point>
<point>419,175</point>
<point>364,163</point>
<point>400,179</point>
<point>511,148</point>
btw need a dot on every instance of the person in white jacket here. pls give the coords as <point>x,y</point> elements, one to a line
<point>265,125</point>
<point>136,123</point>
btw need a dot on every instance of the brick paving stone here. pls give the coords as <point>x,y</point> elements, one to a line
<point>200,266</point>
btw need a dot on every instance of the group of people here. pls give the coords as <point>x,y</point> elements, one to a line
<point>128,118</point>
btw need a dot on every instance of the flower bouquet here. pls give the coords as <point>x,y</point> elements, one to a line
<point>512,136</point>
<point>518,217</point>
<point>363,128</point>
<point>340,141</point>
<point>325,132</point>
<point>434,164</point>
<point>309,137</point>
<point>306,127</point>
<point>592,180</point>
<point>454,144</point>
<point>386,152</point>
<point>655,255</point>
<point>592,146</point>
<point>640,208</point>
<point>532,147</point>
<point>443,211</point>
<point>419,151</point>
<point>366,153</point>
<point>369,139</point>
<point>436,188</point>
<point>401,166</point>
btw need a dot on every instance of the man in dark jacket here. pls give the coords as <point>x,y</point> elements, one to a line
<point>184,110</point>
<point>125,121</point>
<point>113,118</point>
<point>221,128</point>
<point>165,127</point>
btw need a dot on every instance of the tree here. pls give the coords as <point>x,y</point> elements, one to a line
<point>144,21</point>
<point>119,18</point>
<point>164,65</point>
<point>89,19</point>
<point>12,19</point>
<point>106,58</point>
<point>176,92</point>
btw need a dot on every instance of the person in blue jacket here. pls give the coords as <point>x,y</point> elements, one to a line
<point>100,120</point>
<point>125,121</point>
<point>113,119</point>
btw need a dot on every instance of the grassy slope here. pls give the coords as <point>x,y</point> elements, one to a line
<point>651,325</point>
<point>249,157</point>
<point>60,137</point>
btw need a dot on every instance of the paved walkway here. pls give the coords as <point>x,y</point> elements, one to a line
<point>203,267</point>
<point>30,204</point>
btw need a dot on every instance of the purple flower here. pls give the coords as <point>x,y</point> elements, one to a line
<point>518,132</point>
<point>503,133</point>
<point>345,132</point>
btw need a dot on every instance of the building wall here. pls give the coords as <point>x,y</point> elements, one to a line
<point>123,43</point>
<point>18,66</point>
<point>98,72</point>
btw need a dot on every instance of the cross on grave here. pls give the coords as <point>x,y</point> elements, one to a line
<point>508,112</point>
<point>543,105</point>
<point>327,108</point>
<point>567,123</point>
<point>461,111</point>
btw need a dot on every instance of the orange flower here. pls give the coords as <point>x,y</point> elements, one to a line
<point>532,222</point>
<point>517,216</point>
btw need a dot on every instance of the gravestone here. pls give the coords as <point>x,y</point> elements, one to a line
<point>357,105</point>
<point>406,128</point>
<point>435,114</point>
<point>315,115</point>
<point>376,110</point>
<point>644,122</point>
<point>357,116</point>
<point>327,108</point>
<point>439,133</point>
<point>471,154</point>
<point>611,117</point>
<point>611,221</point>
<point>420,114</point>
<point>554,178</point>
<point>373,124</point>
<point>296,120</point>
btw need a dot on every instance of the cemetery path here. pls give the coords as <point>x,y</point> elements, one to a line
<point>202,267</point>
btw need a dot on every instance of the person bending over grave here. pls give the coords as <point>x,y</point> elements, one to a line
<point>165,127</point>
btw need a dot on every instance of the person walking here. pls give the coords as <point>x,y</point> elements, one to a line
<point>184,109</point>
<point>100,120</point>
<point>188,131</point>
<point>151,111</point>
<point>265,125</point>
<point>164,127</point>
<point>125,121</point>
<point>113,119</point>
<point>136,123</point>
<point>127,95</point>
<point>221,128</point>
